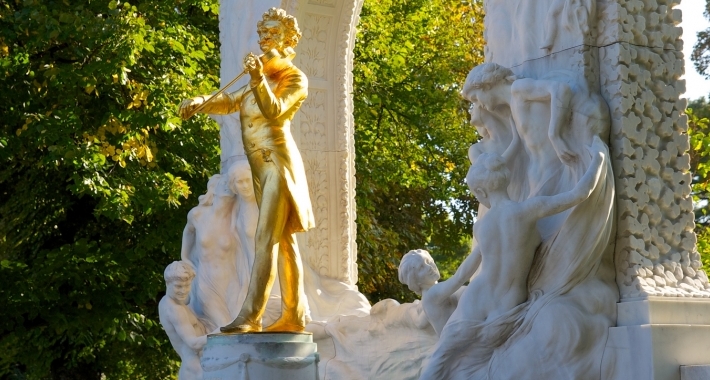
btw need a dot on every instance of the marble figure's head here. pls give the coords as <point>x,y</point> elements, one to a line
<point>178,279</point>
<point>485,76</point>
<point>277,30</point>
<point>240,180</point>
<point>418,271</point>
<point>208,197</point>
<point>482,84</point>
<point>489,173</point>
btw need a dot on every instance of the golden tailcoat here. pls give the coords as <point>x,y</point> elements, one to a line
<point>266,108</point>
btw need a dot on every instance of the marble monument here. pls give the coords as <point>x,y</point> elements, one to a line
<point>583,145</point>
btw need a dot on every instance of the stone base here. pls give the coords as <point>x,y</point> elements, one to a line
<point>656,337</point>
<point>258,356</point>
<point>694,372</point>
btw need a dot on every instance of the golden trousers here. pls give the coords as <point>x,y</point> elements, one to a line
<point>276,247</point>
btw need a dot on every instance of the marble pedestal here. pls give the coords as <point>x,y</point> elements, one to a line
<point>659,338</point>
<point>260,356</point>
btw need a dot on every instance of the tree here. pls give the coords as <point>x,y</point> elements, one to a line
<point>699,131</point>
<point>701,50</point>
<point>94,170</point>
<point>412,135</point>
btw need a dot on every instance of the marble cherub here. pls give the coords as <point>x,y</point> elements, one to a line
<point>186,332</point>
<point>508,237</point>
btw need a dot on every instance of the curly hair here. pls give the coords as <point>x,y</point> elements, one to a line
<point>489,172</point>
<point>178,270</point>
<point>290,26</point>
<point>408,269</point>
<point>207,198</point>
<point>485,76</point>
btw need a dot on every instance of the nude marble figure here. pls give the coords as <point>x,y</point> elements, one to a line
<point>186,333</point>
<point>210,245</point>
<point>492,303</point>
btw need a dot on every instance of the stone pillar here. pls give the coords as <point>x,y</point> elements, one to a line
<point>324,132</point>
<point>641,63</point>
<point>664,313</point>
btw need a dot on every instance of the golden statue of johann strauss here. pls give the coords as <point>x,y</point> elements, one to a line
<point>267,105</point>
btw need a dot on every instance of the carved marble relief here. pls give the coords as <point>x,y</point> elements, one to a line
<point>314,49</point>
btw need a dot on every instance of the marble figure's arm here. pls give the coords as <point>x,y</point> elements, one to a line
<point>181,322</point>
<point>188,241</point>
<point>513,148</point>
<point>463,274</point>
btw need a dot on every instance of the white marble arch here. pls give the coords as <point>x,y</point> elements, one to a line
<point>323,128</point>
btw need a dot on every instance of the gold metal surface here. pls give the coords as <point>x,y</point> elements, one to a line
<point>266,106</point>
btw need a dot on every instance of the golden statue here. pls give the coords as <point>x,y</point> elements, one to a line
<point>267,105</point>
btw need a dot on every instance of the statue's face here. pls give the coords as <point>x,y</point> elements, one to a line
<point>271,36</point>
<point>490,98</point>
<point>475,111</point>
<point>243,184</point>
<point>179,290</point>
<point>428,273</point>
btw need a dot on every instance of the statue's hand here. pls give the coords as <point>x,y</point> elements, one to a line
<point>566,155</point>
<point>188,106</point>
<point>253,65</point>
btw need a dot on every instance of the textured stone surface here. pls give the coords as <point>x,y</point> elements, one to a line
<point>641,61</point>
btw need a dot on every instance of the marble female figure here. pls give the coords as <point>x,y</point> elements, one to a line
<point>210,245</point>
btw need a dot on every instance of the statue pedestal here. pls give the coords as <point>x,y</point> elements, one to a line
<point>258,356</point>
<point>660,338</point>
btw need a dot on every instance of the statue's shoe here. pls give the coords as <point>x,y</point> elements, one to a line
<point>241,325</point>
<point>285,325</point>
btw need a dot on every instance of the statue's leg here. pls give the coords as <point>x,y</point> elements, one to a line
<point>293,296</point>
<point>273,213</point>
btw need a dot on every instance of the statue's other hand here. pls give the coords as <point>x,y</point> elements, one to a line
<point>188,106</point>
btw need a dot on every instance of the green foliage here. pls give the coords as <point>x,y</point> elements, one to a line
<point>701,50</point>
<point>94,170</point>
<point>412,135</point>
<point>699,131</point>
